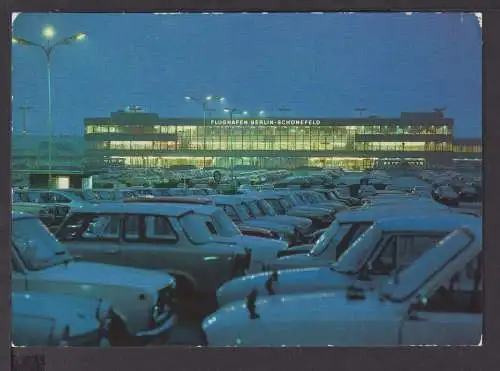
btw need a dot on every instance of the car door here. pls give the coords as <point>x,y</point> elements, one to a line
<point>438,312</point>
<point>94,238</point>
<point>151,242</point>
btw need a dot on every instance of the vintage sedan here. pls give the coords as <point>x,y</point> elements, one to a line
<point>286,202</point>
<point>264,250</point>
<point>258,207</point>
<point>143,301</point>
<point>47,319</point>
<point>383,246</point>
<point>21,203</point>
<point>446,195</point>
<point>234,208</point>
<point>419,305</point>
<point>348,226</point>
<point>168,238</point>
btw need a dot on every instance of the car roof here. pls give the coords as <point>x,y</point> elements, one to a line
<point>225,199</point>
<point>136,208</point>
<point>193,200</point>
<point>378,211</point>
<point>432,223</point>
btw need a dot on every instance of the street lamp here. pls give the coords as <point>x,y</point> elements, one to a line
<point>204,103</point>
<point>48,32</point>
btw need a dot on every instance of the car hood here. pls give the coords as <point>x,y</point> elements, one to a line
<point>301,222</point>
<point>82,273</point>
<point>299,261</point>
<point>309,211</point>
<point>290,281</point>
<point>254,241</point>
<point>331,318</point>
<point>54,306</point>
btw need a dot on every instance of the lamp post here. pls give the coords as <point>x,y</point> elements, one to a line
<point>48,33</point>
<point>232,112</point>
<point>204,103</point>
<point>360,110</point>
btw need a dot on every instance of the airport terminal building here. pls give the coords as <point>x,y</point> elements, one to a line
<point>142,139</point>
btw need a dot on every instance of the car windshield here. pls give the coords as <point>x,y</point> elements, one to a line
<point>227,228</point>
<point>37,247</point>
<point>300,199</point>
<point>242,212</point>
<point>325,239</point>
<point>268,209</point>
<point>196,228</point>
<point>286,203</point>
<point>254,208</point>
<point>275,203</point>
<point>230,211</point>
<point>320,196</point>
<point>350,261</point>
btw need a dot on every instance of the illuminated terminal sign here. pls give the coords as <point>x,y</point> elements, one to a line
<point>266,122</point>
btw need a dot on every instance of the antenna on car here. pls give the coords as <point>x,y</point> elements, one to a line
<point>250,304</point>
<point>273,277</point>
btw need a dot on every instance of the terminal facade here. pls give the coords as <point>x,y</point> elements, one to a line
<point>141,139</point>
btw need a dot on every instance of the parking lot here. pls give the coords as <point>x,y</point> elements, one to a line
<point>257,258</point>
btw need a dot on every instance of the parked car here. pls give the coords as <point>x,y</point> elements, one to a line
<point>315,198</point>
<point>168,238</point>
<point>419,305</point>
<point>286,202</point>
<point>468,193</point>
<point>234,208</point>
<point>47,319</point>
<point>380,248</point>
<point>21,203</point>
<point>61,200</point>
<point>258,232</point>
<point>143,301</point>
<point>258,207</point>
<point>331,195</point>
<point>263,250</point>
<point>446,195</point>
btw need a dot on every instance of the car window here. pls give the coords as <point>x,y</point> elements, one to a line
<point>266,208</point>
<point>61,198</point>
<point>225,226</point>
<point>197,228</point>
<point>275,203</point>
<point>231,212</point>
<point>158,227</point>
<point>36,246</point>
<point>247,209</point>
<point>103,227</point>
<point>402,250</point>
<point>131,227</point>
<point>455,296</point>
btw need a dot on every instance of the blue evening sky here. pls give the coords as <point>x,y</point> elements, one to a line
<point>318,65</point>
